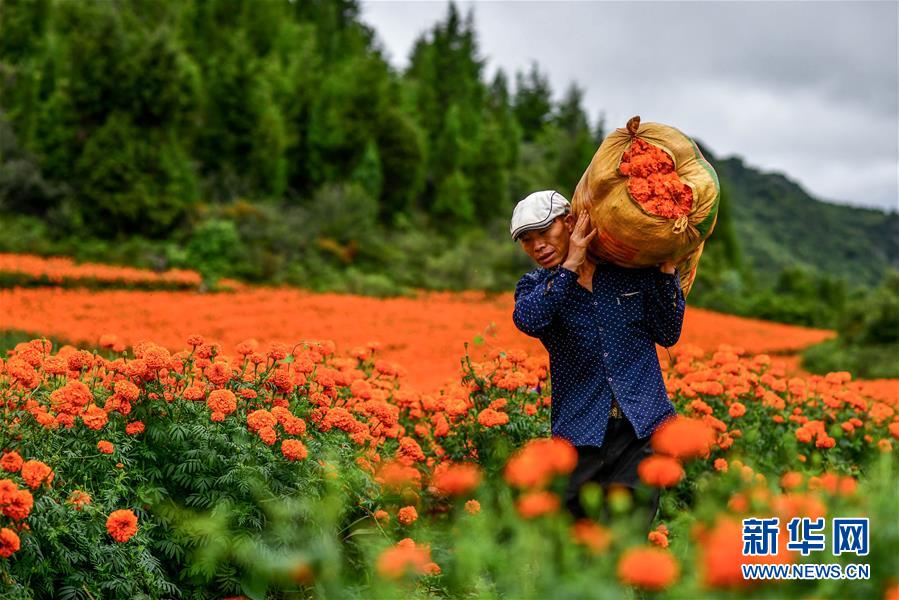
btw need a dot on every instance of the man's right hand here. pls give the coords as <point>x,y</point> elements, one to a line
<point>577,244</point>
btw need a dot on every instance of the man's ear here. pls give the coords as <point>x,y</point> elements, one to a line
<point>569,222</point>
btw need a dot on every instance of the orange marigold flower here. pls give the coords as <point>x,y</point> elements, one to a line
<point>405,556</point>
<point>407,515</point>
<point>294,450</point>
<point>473,507</point>
<point>803,435</point>
<point>122,525</point>
<point>78,499</point>
<point>9,542</point>
<point>11,462</point>
<point>539,461</point>
<point>222,401</point>
<point>381,515</point>
<point>657,538</point>
<point>294,425</point>
<point>534,504</point>
<point>195,339</point>
<point>884,445</point>
<point>791,480</point>
<point>134,428</point>
<point>492,418</point>
<point>268,435</point>
<point>277,351</point>
<point>825,441</point>
<point>126,390</point>
<point>105,447</point>
<point>409,451</point>
<point>71,398</point>
<point>194,393</point>
<point>737,410</point>
<point>660,471</point>
<point>456,479</point>
<point>258,419</point>
<point>95,417</point>
<point>796,504</point>
<point>722,555</point>
<point>847,486</point>
<point>594,536</point>
<point>34,472</point>
<point>894,429</point>
<point>17,505</point>
<point>721,465</point>
<point>218,373</point>
<point>684,438</point>
<point>653,182</point>
<point>396,476</point>
<point>652,569</point>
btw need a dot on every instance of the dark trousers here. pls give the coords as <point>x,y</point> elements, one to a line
<point>614,463</point>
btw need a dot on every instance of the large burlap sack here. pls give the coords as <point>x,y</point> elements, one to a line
<point>635,235</point>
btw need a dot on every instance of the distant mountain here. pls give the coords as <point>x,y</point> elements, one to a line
<point>778,224</point>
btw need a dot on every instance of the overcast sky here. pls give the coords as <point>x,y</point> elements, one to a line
<point>810,89</point>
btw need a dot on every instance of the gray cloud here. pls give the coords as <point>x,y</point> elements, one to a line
<point>810,89</point>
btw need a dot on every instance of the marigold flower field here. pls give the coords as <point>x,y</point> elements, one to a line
<point>156,462</point>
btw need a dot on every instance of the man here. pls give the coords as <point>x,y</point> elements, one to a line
<point>600,324</point>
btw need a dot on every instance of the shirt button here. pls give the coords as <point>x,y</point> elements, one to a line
<point>605,353</point>
<point>600,328</point>
<point>595,303</point>
<point>610,380</point>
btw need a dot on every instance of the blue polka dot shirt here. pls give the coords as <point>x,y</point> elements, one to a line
<point>602,344</point>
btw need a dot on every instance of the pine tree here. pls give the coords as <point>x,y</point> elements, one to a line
<point>533,101</point>
<point>368,171</point>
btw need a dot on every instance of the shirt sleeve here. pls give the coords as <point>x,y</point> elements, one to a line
<point>538,299</point>
<point>664,307</point>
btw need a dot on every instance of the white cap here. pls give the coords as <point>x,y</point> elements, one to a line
<point>537,211</point>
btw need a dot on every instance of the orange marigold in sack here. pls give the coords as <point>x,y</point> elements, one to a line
<point>652,181</point>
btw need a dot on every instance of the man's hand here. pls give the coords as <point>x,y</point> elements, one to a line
<point>578,242</point>
<point>667,267</point>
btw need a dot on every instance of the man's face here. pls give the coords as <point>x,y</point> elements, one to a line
<point>548,247</point>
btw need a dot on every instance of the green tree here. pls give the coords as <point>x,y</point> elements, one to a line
<point>368,171</point>
<point>402,145</point>
<point>533,101</point>
<point>131,180</point>
<point>575,139</point>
